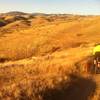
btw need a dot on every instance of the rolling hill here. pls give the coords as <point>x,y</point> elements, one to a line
<point>39,53</point>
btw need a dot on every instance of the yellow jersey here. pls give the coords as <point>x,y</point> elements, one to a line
<point>96,49</point>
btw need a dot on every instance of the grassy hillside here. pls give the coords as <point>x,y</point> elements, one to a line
<point>39,55</point>
<point>24,39</point>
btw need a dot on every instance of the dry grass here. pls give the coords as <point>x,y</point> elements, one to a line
<point>20,41</point>
<point>38,57</point>
<point>42,79</point>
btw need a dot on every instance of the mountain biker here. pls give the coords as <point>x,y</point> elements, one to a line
<point>96,54</point>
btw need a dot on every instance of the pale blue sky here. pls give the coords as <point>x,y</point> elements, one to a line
<point>52,6</point>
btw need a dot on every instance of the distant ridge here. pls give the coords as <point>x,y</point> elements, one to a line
<point>15,13</point>
<point>19,13</point>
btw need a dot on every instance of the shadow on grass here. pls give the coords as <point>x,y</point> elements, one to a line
<point>2,60</point>
<point>79,89</point>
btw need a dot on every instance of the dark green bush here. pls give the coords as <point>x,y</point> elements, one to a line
<point>2,22</point>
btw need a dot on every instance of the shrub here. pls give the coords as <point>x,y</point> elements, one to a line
<point>2,22</point>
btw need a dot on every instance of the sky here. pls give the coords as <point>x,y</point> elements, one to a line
<point>84,7</point>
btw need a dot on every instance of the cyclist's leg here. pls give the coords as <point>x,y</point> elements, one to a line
<point>95,63</point>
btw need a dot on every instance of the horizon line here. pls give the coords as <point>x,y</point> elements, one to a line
<point>30,12</point>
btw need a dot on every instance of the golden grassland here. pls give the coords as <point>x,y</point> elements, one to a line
<point>38,57</point>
